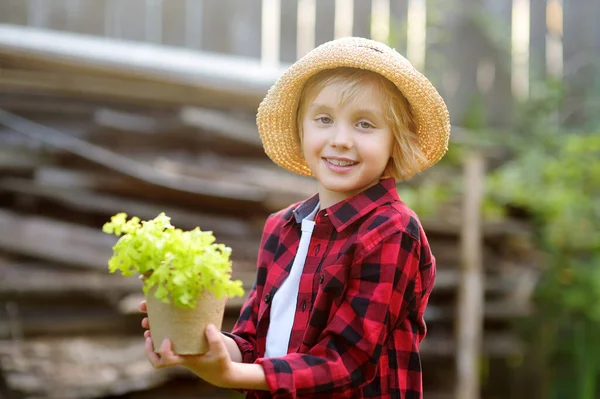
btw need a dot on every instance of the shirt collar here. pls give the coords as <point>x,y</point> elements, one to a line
<point>348,211</point>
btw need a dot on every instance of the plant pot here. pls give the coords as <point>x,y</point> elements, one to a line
<point>184,327</point>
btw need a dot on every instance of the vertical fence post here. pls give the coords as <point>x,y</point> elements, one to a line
<point>469,327</point>
<point>344,18</point>
<point>193,23</point>
<point>270,31</point>
<point>307,10</point>
<point>380,20</point>
<point>154,21</point>
<point>35,13</point>
<point>416,45</point>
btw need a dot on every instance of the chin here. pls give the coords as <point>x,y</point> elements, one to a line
<point>340,186</point>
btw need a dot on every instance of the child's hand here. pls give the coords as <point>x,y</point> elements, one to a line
<point>215,366</point>
<point>145,322</point>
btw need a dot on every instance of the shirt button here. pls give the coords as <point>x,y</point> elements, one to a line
<point>321,279</point>
<point>304,306</point>
<point>267,297</point>
<point>317,249</point>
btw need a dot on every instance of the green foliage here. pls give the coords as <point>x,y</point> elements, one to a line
<point>181,265</point>
<point>555,176</point>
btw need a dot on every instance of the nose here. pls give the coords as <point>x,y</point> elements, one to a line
<point>341,137</point>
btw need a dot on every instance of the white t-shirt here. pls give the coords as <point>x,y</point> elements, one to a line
<point>283,304</point>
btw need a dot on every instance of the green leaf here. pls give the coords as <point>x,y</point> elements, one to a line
<point>183,264</point>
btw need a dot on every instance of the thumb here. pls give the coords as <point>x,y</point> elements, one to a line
<point>213,336</point>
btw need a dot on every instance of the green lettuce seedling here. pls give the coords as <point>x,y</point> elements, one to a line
<point>182,265</point>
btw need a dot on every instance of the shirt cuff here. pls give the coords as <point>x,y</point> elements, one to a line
<point>279,376</point>
<point>246,349</point>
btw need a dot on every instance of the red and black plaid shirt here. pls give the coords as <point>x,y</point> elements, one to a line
<point>363,291</point>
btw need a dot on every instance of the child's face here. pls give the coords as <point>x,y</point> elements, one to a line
<point>346,145</point>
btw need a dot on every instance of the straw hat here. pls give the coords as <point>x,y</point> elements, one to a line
<point>276,118</point>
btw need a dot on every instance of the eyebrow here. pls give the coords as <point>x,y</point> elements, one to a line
<point>369,112</point>
<point>319,107</point>
<point>361,111</point>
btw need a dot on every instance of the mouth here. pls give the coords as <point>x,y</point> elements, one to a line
<point>340,162</point>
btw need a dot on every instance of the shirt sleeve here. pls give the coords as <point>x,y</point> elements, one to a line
<point>381,283</point>
<point>244,331</point>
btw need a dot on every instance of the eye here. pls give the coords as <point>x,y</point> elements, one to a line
<point>365,125</point>
<point>325,120</point>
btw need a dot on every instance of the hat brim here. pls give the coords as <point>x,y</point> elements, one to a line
<point>276,117</point>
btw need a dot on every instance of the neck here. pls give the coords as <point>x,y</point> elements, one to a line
<point>329,198</point>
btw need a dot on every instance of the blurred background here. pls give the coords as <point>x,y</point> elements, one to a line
<point>147,106</point>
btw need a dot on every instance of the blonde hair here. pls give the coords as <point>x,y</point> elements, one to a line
<point>406,155</point>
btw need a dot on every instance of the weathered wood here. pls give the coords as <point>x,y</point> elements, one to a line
<point>79,368</point>
<point>122,185</point>
<point>243,80</point>
<point>29,280</point>
<point>129,167</point>
<point>107,205</point>
<point>498,345</point>
<point>222,124</point>
<point>469,329</point>
<point>77,85</point>
<point>75,244</point>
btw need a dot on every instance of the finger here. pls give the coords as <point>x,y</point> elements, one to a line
<point>167,356</point>
<point>147,334</point>
<point>150,354</point>
<point>145,323</point>
<point>143,307</point>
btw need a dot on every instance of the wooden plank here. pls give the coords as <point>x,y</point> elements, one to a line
<point>31,281</point>
<point>497,345</point>
<point>398,25</point>
<point>496,310</point>
<point>362,18</point>
<point>128,167</point>
<point>223,124</point>
<point>15,160</point>
<point>77,85</point>
<point>452,66</point>
<point>537,48</point>
<point>175,23</point>
<point>91,18</point>
<point>130,18</point>
<point>245,26</point>
<point>76,245</point>
<point>581,46</point>
<point>106,205</point>
<point>244,79</point>
<point>288,41</point>
<point>66,322</point>
<point>53,240</point>
<point>13,12</point>
<point>119,185</point>
<point>495,84</point>
<point>217,19</point>
<point>325,21</point>
<point>470,304</point>
<point>79,367</point>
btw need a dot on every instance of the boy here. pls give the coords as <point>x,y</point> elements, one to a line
<point>344,277</point>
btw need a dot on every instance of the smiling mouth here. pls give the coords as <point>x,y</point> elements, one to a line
<point>339,162</point>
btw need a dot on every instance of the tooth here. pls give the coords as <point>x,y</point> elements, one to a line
<point>340,163</point>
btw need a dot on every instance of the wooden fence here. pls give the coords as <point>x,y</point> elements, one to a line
<point>479,53</point>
